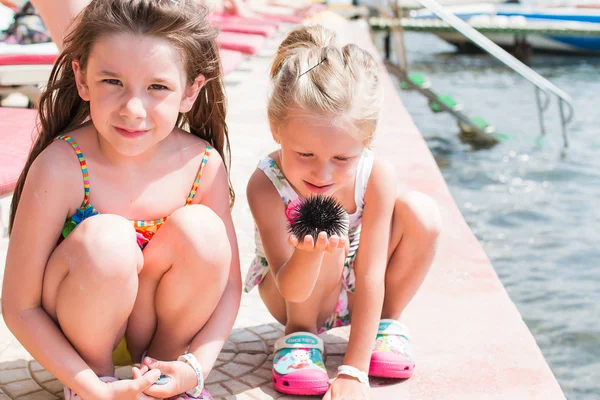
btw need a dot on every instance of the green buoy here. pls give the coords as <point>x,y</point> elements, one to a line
<point>503,137</point>
<point>446,100</point>
<point>540,141</point>
<point>416,79</point>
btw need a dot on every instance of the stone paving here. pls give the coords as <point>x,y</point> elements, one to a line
<point>243,369</point>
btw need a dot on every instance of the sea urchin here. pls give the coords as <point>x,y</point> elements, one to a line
<point>316,214</point>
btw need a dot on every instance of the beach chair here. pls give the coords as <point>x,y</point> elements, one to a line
<point>17,131</point>
<point>230,60</point>
<point>237,24</point>
<point>26,73</point>
<point>218,18</point>
<point>290,11</point>
<point>249,28</point>
<point>17,127</point>
<point>23,68</point>
<point>247,44</point>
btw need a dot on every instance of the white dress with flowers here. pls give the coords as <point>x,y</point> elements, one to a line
<point>260,267</point>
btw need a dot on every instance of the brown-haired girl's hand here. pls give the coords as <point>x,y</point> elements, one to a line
<point>347,388</point>
<point>323,243</point>
<point>181,377</point>
<point>132,389</point>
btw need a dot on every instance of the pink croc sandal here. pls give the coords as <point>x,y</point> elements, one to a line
<point>392,354</point>
<point>71,395</point>
<point>298,366</point>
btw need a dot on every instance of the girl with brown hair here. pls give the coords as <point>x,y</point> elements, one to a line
<point>122,245</point>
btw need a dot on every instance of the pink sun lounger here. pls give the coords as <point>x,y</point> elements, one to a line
<point>292,19</point>
<point>286,12</point>
<point>42,63</point>
<point>248,44</point>
<point>247,28</point>
<point>17,127</point>
<point>232,19</point>
<point>27,59</point>
<point>237,24</point>
<point>25,69</point>
<point>25,73</point>
<point>230,60</point>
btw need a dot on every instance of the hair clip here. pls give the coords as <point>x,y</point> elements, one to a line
<point>313,67</point>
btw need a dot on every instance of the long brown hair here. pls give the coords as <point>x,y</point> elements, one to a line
<point>183,24</point>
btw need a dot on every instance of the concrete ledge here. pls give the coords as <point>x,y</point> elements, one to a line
<point>470,339</point>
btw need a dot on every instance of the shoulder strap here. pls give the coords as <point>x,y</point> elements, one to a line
<point>198,175</point>
<point>272,171</point>
<point>363,173</point>
<point>84,168</point>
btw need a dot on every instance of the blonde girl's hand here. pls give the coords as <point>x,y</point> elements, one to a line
<point>132,389</point>
<point>323,243</point>
<point>181,377</point>
<point>347,388</point>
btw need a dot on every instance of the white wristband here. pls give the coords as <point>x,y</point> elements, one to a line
<point>191,360</point>
<point>354,372</point>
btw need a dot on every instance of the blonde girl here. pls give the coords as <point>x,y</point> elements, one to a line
<point>323,113</point>
<point>122,245</point>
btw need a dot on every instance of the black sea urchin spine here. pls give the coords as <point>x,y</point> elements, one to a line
<point>318,214</point>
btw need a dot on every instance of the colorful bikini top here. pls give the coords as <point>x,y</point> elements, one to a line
<point>145,229</point>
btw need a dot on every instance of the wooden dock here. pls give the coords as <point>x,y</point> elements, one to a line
<point>492,25</point>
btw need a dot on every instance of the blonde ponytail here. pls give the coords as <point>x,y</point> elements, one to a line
<point>310,73</point>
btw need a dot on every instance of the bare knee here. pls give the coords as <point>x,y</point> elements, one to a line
<point>205,235</point>
<point>419,215</point>
<point>107,248</point>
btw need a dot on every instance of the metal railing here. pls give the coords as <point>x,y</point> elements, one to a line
<point>543,86</point>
